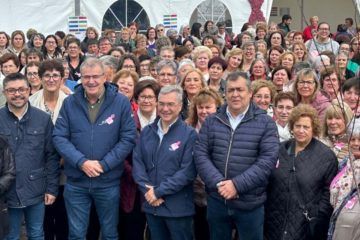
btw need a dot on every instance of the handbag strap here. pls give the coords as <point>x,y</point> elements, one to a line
<point>298,193</point>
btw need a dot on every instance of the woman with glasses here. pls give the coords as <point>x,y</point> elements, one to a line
<point>32,75</point>
<point>132,219</point>
<point>51,49</point>
<point>263,94</point>
<point>128,61</point>
<point>249,54</point>
<point>160,30</point>
<point>50,99</point>
<point>307,91</point>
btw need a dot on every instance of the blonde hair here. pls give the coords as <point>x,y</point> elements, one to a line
<point>199,50</point>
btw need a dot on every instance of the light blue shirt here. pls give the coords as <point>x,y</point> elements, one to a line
<point>235,121</point>
<point>160,131</point>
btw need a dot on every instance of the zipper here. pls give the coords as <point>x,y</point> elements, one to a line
<point>229,148</point>
<point>230,144</point>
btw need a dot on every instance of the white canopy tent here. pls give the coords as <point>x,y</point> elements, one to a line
<point>48,16</point>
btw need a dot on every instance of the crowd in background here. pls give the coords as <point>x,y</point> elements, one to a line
<point>303,91</point>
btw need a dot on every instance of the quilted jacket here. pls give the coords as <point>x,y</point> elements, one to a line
<point>245,155</point>
<point>314,168</point>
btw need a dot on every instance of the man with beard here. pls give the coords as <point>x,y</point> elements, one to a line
<point>28,131</point>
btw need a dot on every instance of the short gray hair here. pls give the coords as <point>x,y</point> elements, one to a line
<point>186,62</point>
<point>110,61</point>
<point>91,62</point>
<point>166,63</point>
<point>234,76</point>
<point>172,89</point>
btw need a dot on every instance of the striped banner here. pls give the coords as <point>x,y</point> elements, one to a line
<point>170,21</point>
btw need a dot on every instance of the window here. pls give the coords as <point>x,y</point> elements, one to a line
<point>123,12</point>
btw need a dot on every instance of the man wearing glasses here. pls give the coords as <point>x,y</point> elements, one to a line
<point>234,156</point>
<point>94,133</point>
<point>28,131</point>
<point>322,42</point>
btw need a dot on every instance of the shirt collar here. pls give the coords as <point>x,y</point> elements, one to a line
<point>99,98</point>
<point>240,115</point>
<point>160,127</point>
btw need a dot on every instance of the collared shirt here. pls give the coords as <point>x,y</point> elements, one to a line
<point>94,108</point>
<point>235,121</point>
<point>23,114</point>
<point>160,130</point>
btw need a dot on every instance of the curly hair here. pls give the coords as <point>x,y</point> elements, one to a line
<point>305,110</point>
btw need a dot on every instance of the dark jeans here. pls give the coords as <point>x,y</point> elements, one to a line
<point>34,220</point>
<point>78,202</point>
<point>55,222</point>
<point>249,224</point>
<point>201,226</point>
<point>166,228</point>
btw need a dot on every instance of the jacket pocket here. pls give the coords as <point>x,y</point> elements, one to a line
<point>5,133</point>
<point>37,182</point>
<point>35,137</point>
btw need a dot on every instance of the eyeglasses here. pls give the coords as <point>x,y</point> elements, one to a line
<point>55,77</point>
<point>303,83</point>
<point>12,91</point>
<point>88,77</point>
<point>51,42</point>
<point>149,98</point>
<point>32,74</point>
<point>160,30</point>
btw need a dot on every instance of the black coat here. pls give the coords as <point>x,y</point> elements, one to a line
<point>7,167</point>
<point>314,169</point>
<point>7,175</point>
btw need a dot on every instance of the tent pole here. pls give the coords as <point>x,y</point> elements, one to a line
<point>77,7</point>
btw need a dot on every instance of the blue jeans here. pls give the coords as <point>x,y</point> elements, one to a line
<point>221,218</point>
<point>34,219</point>
<point>174,228</point>
<point>78,202</point>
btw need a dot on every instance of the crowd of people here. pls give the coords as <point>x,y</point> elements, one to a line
<point>197,134</point>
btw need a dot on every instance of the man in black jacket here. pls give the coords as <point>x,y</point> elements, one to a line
<point>28,131</point>
<point>7,175</point>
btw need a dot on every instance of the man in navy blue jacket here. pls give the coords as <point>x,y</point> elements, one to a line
<point>28,131</point>
<point>236,151</point>
<point>164,169</point>
<point>94,133</point>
